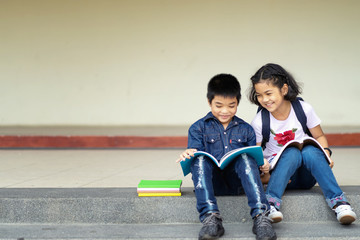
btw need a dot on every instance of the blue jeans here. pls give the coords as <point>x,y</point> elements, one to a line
<point>304,168</point>
<point>242,175</point>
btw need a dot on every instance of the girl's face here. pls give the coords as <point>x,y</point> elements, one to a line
<point>224,109</point>
<point>270,96</point>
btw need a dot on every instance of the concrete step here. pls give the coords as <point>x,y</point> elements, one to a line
<point>284,231</point>
<point>118,213</point>
<point>123,206</point>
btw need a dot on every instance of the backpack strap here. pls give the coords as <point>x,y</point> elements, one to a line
<point>300,114</point>
<point>265,131</point>
<point>265,117</point>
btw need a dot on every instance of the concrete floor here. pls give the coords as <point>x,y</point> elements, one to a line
<point>119,167</point>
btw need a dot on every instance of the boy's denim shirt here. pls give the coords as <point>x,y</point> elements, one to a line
<point>208,134</point>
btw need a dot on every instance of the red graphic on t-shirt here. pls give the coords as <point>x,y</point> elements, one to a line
<point>283,138</point>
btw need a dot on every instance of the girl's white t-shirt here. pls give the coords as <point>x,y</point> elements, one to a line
<point>285,130</point>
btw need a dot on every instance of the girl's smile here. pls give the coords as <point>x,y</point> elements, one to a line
<point>272,99</point>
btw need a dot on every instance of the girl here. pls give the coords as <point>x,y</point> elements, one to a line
<point>274,90</point>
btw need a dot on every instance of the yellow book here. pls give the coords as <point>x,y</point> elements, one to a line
<point>159,194</point>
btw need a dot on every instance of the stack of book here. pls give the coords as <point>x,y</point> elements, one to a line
<point>159,188</point>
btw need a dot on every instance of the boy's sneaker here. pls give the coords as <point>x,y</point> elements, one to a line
<point>212,227</point>
<point>275,214</point>
<point>345,214</point>
<point>262,228</point>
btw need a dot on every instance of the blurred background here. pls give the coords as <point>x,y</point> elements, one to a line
<point>147,62</point>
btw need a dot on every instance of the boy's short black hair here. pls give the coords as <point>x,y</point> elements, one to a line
<point>225,85</point>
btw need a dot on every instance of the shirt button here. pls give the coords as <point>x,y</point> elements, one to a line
<point>225,133</point>
<point>225,147</point>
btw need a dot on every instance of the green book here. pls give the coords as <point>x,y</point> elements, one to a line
<point>160,184</point>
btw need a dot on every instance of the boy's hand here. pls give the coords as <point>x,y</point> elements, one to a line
<point>188,153</point>
<point>266,167</point>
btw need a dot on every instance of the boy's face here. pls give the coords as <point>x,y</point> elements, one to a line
<point>224,109</point>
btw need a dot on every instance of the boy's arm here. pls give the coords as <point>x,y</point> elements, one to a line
<point>252,137</point>
<point>319,135</point>
<point>195,143</point>
<point>196,137</point>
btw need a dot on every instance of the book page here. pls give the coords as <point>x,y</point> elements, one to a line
<point>300,145</point>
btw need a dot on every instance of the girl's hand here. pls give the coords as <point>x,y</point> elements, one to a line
<point>266,167</point>
<point>319,135</point>
<point>331,163</point>
<point>187,154</point>
<point>265,178</point>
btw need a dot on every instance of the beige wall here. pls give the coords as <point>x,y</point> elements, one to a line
<point>147,62</point>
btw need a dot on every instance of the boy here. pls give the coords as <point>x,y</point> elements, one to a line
<point>219,132</point>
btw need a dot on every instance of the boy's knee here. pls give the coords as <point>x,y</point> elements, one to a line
<point>245,163</point>
<point>201,164</point>
<point>202,172</point>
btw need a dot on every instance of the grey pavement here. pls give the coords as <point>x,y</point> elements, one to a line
<point>120,167</point>
<point>69,168</point>
<point>90,194</point>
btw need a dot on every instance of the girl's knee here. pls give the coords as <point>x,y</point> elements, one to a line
<point>293,151</point>
<point>309,150</point>
<point>311,154</point>
<point>292,156</point>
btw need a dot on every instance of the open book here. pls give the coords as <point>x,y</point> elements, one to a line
<point>300,144</point>
<point>254,151</point>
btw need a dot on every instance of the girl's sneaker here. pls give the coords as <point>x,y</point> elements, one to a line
<point>344,214</point>
<point>275,214</point>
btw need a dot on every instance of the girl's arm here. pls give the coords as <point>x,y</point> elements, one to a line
<point>319,135</point>
<point>265,178</point>
<point>265,169</point>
